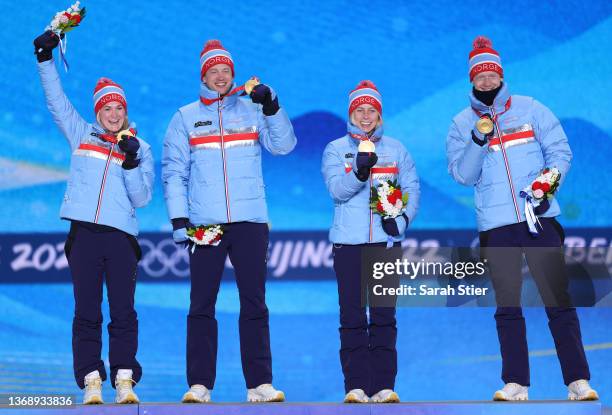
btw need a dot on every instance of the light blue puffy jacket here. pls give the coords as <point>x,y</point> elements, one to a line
<point>532,139</point>
<point>354,222</point>
<point>211,164</point>
<point>99,190</point>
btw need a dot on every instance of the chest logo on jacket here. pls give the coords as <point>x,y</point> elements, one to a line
<point>202,124</point>
<point>349,156</point>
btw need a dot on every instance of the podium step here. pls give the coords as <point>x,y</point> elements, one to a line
<point>416,408</point>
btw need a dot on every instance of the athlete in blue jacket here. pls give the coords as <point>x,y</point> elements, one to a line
<point>110,177</point>
<point>526,137</point>
<point>211,170</point>
<point>367,352</point>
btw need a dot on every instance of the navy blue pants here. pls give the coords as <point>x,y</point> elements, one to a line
<point>246,244</point>
<point>547,265</point>
<point>96,254</point>
<point>367,349</point>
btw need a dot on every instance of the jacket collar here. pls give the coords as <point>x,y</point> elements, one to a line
<point>209,97</point>
<point>357,134</point>
<point>499,103</point>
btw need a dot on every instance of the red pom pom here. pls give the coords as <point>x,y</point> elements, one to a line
<point>213,44</point>
<point>536,185</point>
<point>105,81</point>
<point>482,42</point>
<point>367,84</point>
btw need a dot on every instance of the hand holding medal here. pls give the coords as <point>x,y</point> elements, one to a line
<point>250,84</point>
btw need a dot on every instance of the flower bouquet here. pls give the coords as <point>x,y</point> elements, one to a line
<point>62,23</point>
<point>542,189</point>
<point>387,199</point>
<point>546,184</point>
<point>209,235</point>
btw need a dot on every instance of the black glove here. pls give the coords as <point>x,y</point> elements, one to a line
<point>391,226</point>
<point>179,227</point>
<point>178,223</point>
<point>261,94</point>
<point>364,162</point>
<point>480,138</point>
<point>129,145</point>
<point>44,45</point>
<point>542,207</point>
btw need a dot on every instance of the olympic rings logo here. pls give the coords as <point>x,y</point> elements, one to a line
<point>164,257</point>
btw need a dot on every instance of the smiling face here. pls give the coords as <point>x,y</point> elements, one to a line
<point>219,78</point>
<point>365,117</point>
<point>486,81</point>
<point>113,117</point>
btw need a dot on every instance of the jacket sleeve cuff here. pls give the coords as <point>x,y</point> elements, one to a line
<point>178,223</point>
<point>351,182</point>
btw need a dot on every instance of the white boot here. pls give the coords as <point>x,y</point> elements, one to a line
<point>265,393</point>
<point>511,392</point>
<point>93,389</point>
<point>385,396</point>
<point>356,396</point>
<point>123,385</point>
<point>580,390</point>
<point>197,394</point>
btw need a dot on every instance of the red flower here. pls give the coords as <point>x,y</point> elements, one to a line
<point>379,207</point>
<point>545,187</point>
<point>395,196</point>
<point>536,185</point>
<point>199,234</point>
<point>76,18</point>
<point>68,15</point>
<point>545,171</point>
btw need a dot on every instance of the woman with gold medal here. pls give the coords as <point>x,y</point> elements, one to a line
<point>111,174</point>
<point>352,165</point>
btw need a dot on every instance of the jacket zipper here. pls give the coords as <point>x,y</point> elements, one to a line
<point>227,203</point>
<point>507,164</point>
<point>103,183</point>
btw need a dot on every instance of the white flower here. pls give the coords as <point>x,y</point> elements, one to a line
<point>63,19</point>
<point>538,193</point>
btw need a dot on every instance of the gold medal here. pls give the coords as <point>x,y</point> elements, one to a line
<point>122,133</point>
<point>366,146</point>
<point>250,84</point>
<point>484,125</point>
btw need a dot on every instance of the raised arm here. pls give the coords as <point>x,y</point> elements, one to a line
<point>72,125</point>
